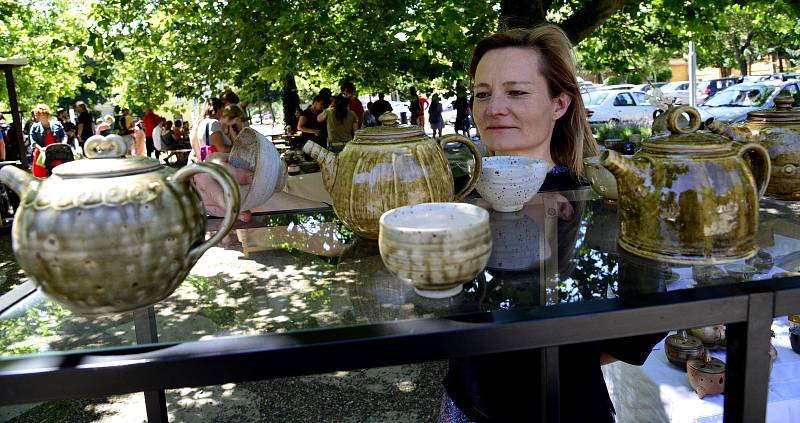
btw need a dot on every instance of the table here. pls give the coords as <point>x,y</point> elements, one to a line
<point>296,293</point>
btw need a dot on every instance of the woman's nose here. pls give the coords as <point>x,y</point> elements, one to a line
<point>497,105</point>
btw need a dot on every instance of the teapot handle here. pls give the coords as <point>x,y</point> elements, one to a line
<point>759,165</point>
<point>230,189</point>
<point>476,171</point>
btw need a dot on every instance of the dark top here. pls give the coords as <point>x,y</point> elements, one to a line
<point>505,387</point>
<point>380,107</point>
<point>86,120</point>
<point>311,122</point>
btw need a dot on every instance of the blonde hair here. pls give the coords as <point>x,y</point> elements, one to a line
<point>41,109</point>
<point>572,138</point>
<point>232,111</point>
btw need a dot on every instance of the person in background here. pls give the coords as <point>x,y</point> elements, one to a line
<point>206,135</point>
<point>103,125</point>
<point>150,121</point>
<point>178,135</point>
<point>69,127</point>
<point>229,97</point>
<point>124,127</point>
<point>84,122</point>
<point>158,134</point>
<point>341,123</point>
<point>528,103</point>
<point>435,115</point>
<point>139,141</point>
<point>232,122</point>
<point>311,128</point>
<point>369,118</point>
<point>349,92</point>
<point>380,107</point>
<point>43,133</point>
<point>327,97</point>
<point>417,116</point>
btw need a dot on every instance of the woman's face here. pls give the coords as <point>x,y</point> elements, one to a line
<point>42,117</point>
<point>234,124</point>
<point>513,109</point>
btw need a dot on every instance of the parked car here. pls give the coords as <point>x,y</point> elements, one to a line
<point>615,106</point>
<point>733,103</point>
<point>648,88</point>
<point>679,90</point>
<point>716,85</point>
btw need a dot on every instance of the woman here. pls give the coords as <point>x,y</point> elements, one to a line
<point>435,115</point>
<point>139,139</point>
<point>528,103</point>
<point>342,123</point>
<point>207,136</point>
<point>312,129</point>
<point>43,133</point>
<point>231,121</point>
<point>85,123</point>
<point>415,107</point>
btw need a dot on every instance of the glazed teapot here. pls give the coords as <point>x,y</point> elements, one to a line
<point>385,167</point>
<point>778,130</point>
<point>690,197</point>
<point>110,234</point>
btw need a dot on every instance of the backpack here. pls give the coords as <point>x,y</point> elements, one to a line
<point>120,125</point>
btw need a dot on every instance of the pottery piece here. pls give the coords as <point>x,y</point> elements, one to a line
<point>111,234</point>
<point>508,182</point>
<point>706,375</point>
<point>516,242</point>
<point>603,182</point>
<point>794,320</point>
<point>689,197</point>
<point>386,167</point>
<point>711,336</point>
<point>681,347</point>
<point>794,338</point>
<point>254,152</point>
<point>435,246</point>
<point>740,272</point>
<point>778,130</point>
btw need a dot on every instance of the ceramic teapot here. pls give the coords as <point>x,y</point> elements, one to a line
<point>386,167</point>
<point>690,197</point>
<point>779,131</point>
<point>110,234</point>
<point>706,375</point>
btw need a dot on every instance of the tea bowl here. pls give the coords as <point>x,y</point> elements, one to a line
<point>435,246</point>
<point>508,182</point>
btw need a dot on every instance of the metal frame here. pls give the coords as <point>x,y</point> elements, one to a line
<point>747,308</point>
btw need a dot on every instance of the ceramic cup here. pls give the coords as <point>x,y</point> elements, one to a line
<point>508,182</point>
<point>435,246</point>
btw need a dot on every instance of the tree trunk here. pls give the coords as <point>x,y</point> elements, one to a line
<point>584,21</point>
<point>291,101</point>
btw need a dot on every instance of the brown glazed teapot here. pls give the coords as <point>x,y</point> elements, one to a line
<point>689,197</point>
<point>110,234</point>
<point>778,130</point>
<point>386,167</point>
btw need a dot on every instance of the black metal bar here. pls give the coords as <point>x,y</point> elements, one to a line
<point>144,323</point>
<point>747,369</point>
<point>150,367</point>
<point>12,100</point>
<point>551,412</point>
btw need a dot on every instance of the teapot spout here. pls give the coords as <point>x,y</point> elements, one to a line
<point>624,169</point>
<point>17,179</point>
<point>326,160</point>
<point>735,133</point>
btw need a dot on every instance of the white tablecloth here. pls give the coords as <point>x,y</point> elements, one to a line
<point>659,392</point>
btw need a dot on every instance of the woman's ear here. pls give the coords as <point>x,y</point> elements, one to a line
<point>560,105</point>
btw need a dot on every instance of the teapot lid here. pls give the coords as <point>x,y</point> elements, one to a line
<point>389,131</point>
<point>684,138</point>
<point>106,159</point>
<point>684,342</point>
<point>783,112</point>
<point>707,364</point>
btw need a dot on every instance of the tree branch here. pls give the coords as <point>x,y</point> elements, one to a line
<point>591,16</point>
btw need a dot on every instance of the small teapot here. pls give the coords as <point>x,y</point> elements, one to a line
<point>386,167</point>
<point>112,234</point>
<point>779,131</point>
<point>706,375</point>
<point>689,197</point>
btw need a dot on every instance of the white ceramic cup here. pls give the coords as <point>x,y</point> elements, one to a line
<point>508,182</point>
<point>435,246</point>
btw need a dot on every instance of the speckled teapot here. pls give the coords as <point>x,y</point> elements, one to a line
<point>778,130</point>
<point>111,234</point>
<point>385,167</point>
<point>690,197</point>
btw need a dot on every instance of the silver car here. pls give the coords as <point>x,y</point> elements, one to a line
<point>617,106</point>
<point>733,103</point>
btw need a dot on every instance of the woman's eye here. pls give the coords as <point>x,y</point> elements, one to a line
<point>481,95</point>
<point>516,93</point>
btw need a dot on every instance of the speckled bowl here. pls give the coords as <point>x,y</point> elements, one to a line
<point>507,182</point>
<point>435,246</point>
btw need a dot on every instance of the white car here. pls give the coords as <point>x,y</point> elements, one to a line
<point>617,106</point>
<point>679,90</point>
<point>733,103</point>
